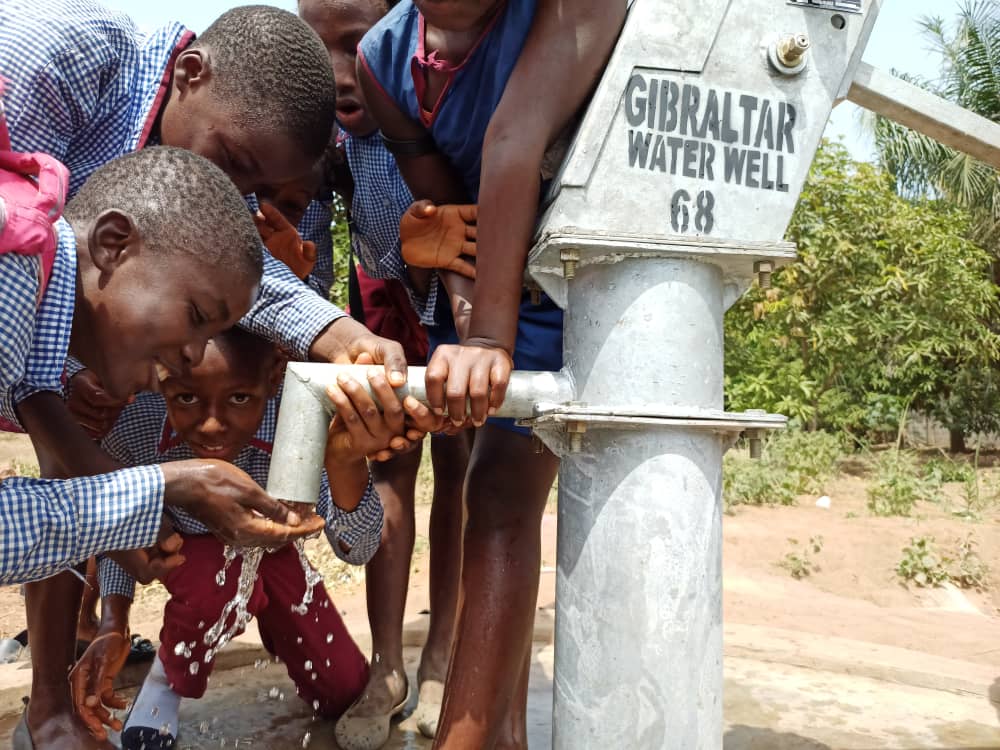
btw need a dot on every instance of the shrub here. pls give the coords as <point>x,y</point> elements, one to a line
<point>969,570</point>
<point>799,562</point>
<point>899,485</point>
<point>922,564</point>
<point>793,462</point>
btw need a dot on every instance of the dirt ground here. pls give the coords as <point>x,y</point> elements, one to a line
<point>853,594</point>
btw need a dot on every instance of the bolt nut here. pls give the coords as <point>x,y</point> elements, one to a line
<point>576,431</point>
<point>764,269</point>
<point>569,259</point>
<point>756,440</point>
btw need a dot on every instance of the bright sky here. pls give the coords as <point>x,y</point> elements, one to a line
<point>895,43</point>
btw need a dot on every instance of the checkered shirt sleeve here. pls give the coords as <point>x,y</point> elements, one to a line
<point>381,198</point>
<point>49,525</point>
<point>35,339</point>
<point>315,227</point>
<point>289,312</point>
<point>360,530</point>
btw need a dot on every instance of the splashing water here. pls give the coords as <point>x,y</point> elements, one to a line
<point>219,634</point>
<point>231,554</point>
<point>312,578</point>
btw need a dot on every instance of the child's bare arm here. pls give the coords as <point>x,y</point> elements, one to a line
<point>565,52</point>
<point>429,175</point>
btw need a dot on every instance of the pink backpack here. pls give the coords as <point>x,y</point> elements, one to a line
<point>32,198</point>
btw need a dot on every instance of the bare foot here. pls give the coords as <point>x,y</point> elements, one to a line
<point>61,731</point>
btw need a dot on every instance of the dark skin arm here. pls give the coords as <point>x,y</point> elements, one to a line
<point>566,50</point>
<point>429,176</point>
<point>564,54</point>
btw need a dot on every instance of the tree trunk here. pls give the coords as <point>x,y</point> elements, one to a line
<point>956,440</point>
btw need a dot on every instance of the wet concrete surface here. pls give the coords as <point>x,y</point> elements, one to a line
<point>767,707</point>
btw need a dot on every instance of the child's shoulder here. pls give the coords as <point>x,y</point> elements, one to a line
<point>76,27</point>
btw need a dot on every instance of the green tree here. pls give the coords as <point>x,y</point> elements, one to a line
<point>341,253</point>
<point>970,77</point>
<point>887,302</point>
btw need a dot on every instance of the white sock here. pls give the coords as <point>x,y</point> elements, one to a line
<point>156,705</point>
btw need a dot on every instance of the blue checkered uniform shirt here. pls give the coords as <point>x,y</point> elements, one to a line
<point>381,197</point>
<point>85,86</point>
<point>142,435</point>
<point>45,525</point>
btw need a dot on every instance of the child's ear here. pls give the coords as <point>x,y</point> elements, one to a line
<point>192,69</point>
<point>113,236</point>
<point>277,373</point>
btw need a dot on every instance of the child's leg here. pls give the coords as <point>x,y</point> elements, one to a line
<point>450,455</point>
<point>53,609</point>
<point>507,488</point>
<point>324,662</point>
<point>180,671</point>
<point>388,576</point>
<point>53,606</point>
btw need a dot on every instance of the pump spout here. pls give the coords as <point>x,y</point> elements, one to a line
<point>306,411</point>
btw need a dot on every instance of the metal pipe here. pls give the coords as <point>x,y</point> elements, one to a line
<point>926,113</point>
<point>639,593</point>
<point>304,417</point>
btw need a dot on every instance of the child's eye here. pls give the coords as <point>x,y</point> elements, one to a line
<point>240,398</point>
<point>186,399</point>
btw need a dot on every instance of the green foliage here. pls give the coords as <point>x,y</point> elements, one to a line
<point>799,562</point>
<point>793,463</point>
<point>887,306</point>
<point>970,77</point>
<point>341,254</point>
<point>922,564</point>
<point>943,469</point>
<point>899,485</point>
<point>969,570</point>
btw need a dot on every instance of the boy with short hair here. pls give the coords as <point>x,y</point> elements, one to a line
<point>470,95</point>
<point>226,408</point>
<point>136,289</point>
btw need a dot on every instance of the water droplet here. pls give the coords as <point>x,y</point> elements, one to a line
<point>299,640</point>
<point>306,740</point>
<point>273,692</point>
<point>179,649</point>
<point>193,667</point>
<point>203,727</point>
<point>329,637</point>
<point>164,730</point>
<point>316,706</point>
<point>313,675</point>
<point>155,711</point>
<point>309,665</point>
<point>327,663</point>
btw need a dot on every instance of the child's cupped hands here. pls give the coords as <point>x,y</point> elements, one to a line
<point>376,425</point>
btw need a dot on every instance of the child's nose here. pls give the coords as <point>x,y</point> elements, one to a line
<point>212,425</point>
